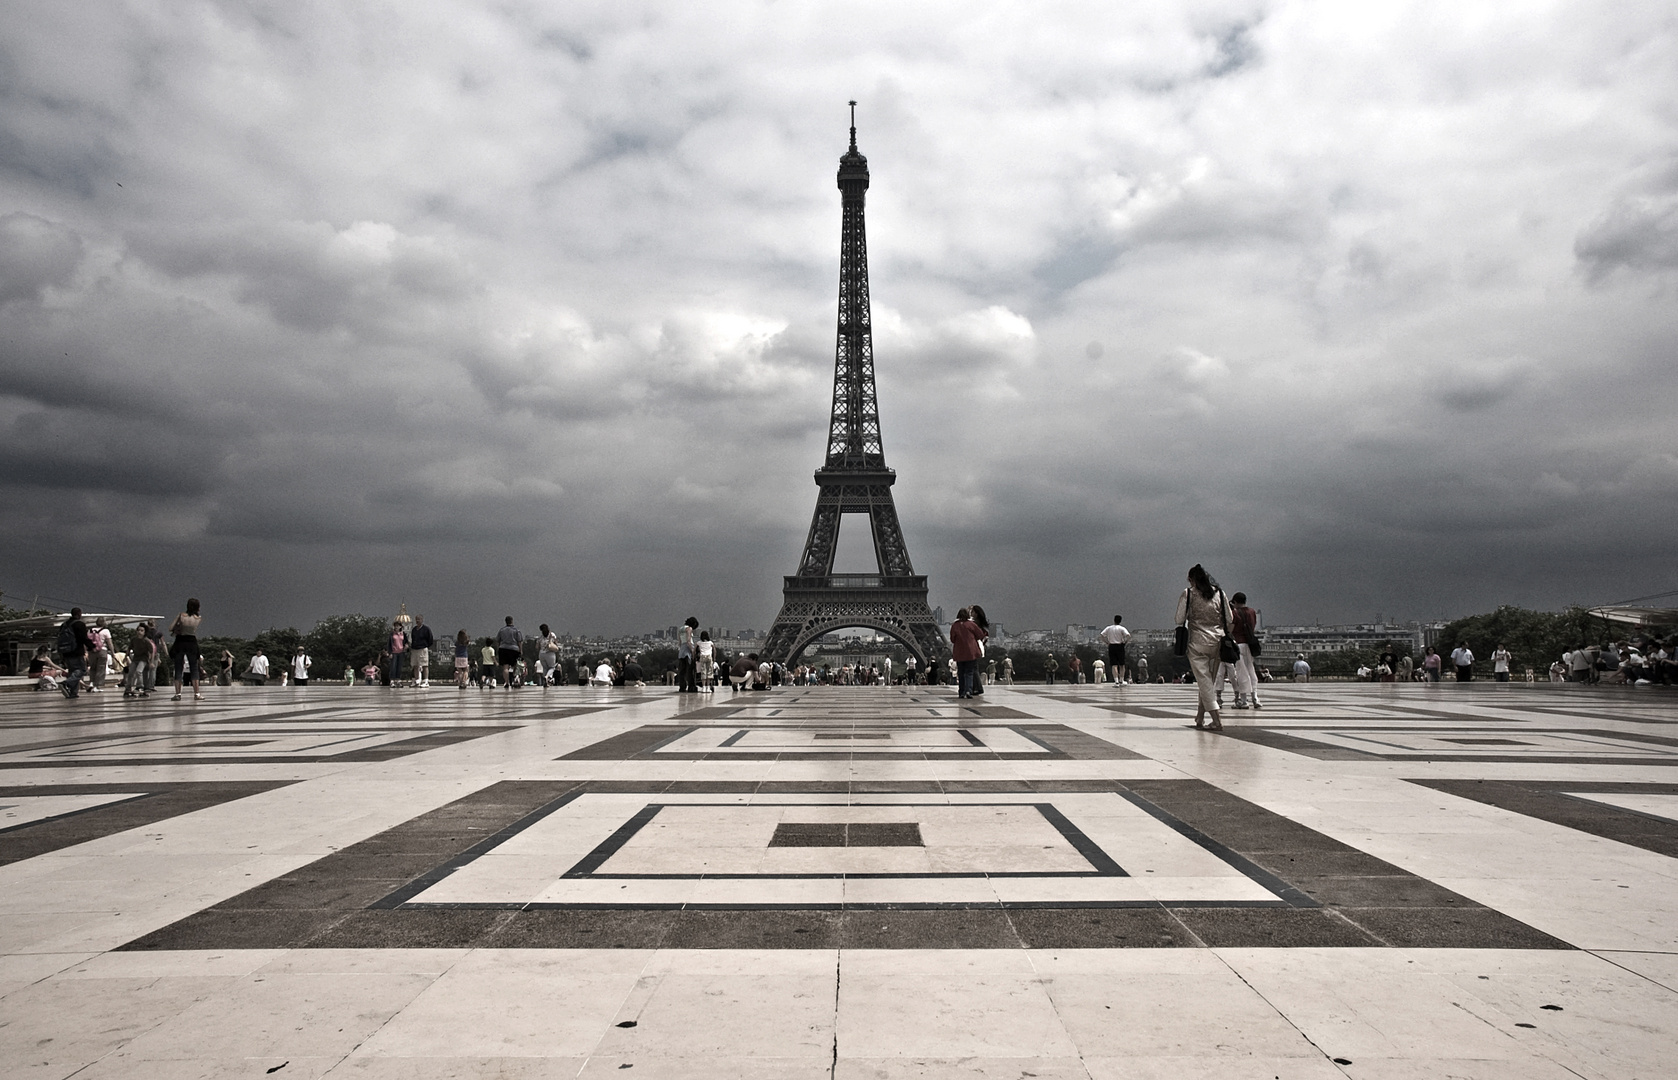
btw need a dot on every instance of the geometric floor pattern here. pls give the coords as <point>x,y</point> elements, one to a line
<point>1068,881</point>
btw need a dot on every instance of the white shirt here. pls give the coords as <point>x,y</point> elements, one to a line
<point>300,666</point>
<point>1500,660</point>
<point>1115,635</point>
<point>1462,657</point>
<point>603,673</point>
<point>259,665</point>
<point>1300,667</point>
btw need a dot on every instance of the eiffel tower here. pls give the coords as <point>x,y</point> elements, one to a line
<point>854,480</point>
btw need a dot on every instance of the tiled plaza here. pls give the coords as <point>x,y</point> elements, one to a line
<point>1058,882</point>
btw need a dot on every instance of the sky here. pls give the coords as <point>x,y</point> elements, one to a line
<point>528,308</point>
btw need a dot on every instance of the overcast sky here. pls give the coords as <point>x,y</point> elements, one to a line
<point>528,308</point>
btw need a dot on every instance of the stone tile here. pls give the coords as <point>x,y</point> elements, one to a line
<point>59,1025</point>
<point>1271,927</point>
<point>496,1004</point>
<point>946,1004</point>
<point>1456,928</point>
<point>363,1067</point>
<point>1099,928</point>
<point>975,928</point>
<point>283,1016</point>
<point>699,929</point>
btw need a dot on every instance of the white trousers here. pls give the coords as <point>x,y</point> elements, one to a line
<point>1246,676</point>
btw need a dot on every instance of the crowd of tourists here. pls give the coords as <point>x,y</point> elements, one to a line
<point>1216,634</point>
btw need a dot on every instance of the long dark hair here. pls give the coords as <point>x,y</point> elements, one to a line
<point>1202,581</point>
<point>978,614</point>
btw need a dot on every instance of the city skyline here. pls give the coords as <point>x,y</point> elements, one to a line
<point>312,311</point>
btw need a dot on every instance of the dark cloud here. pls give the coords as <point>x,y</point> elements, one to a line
<point>34,254</point>
<point>1636,233</point>
<point>531,308</point>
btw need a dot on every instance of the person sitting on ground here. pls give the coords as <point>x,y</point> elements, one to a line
<point>603,674</point>
<point>1608,664</point>
<point>633,674</point>
<point>41,668</point>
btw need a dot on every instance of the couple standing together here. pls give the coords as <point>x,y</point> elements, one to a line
<point>967,648</point>
<point>1214,633</point>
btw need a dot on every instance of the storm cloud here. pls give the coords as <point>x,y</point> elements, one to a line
<point>528,308</point>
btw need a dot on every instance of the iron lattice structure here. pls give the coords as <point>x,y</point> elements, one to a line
<point>854,479</point>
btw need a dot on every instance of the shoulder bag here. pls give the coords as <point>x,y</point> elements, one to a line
<point>1227,652</point>
<point>1180,645</point>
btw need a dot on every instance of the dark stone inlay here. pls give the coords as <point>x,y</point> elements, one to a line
<point>430,740</point>
<point>160,800</point>
<point>959,928</point>
<point>1282,740</point>
<point>1241,928</point>
<point>1335,895</point>
<point>847,834</point>
<point>1548,800</point>
<point>1486,742</point>
<point>1058,741</point>
<point>1150,927</point>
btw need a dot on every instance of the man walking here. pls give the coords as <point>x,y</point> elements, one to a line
<point>420,640</point>
<point>72,652</point>
<point>1116,636</point>
<point>1463,658</point>
<point>1301,670</point>
<point>509,647</point>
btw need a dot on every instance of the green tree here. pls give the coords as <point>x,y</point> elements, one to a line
<point>340,641</point>
<point>1535,638</point>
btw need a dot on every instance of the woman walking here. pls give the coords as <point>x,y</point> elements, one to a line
<point>1205,611</point>
<point>184,649</point>
<point>547,654</point>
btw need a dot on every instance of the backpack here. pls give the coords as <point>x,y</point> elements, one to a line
<point>66,640</point>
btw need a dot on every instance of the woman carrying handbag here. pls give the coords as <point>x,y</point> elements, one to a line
<point>1203,636</point>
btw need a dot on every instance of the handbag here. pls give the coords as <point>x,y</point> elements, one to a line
<point>1227,652</point>
<point>1180,643</point>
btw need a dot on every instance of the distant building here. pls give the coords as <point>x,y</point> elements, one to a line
<point>1411,637</point>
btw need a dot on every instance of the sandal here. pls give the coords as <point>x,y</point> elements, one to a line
<point>1215,725</point>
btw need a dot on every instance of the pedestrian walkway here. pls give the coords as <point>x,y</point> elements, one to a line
<point>1066,881</point>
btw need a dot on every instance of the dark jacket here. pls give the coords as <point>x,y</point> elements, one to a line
<point>78,639</point>
<point>965,636</point>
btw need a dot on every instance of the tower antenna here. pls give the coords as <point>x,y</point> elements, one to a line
<point>853,125</point>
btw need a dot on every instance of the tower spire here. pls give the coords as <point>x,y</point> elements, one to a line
<point>854,479</point>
